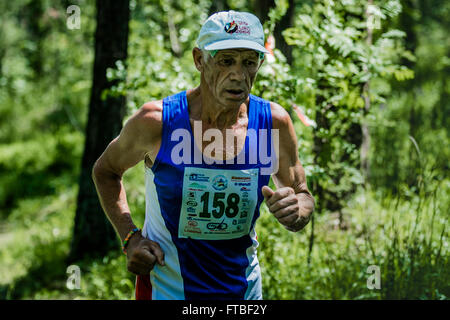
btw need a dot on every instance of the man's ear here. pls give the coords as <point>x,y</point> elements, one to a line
<point>197,54</point>
<point>261,63</point>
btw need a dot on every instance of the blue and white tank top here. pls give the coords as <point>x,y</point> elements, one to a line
<point>203,214</point>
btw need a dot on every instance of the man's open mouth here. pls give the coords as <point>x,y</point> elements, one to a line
<point>235,91</point>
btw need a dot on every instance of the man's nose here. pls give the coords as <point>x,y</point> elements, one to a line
<point>238,72</point>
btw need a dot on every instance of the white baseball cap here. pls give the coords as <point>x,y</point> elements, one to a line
<point>231,29</point>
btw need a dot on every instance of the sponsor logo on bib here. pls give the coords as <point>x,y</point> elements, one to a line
<point>220,182</point>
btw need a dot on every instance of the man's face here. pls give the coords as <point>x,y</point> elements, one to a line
<point>230,74</point>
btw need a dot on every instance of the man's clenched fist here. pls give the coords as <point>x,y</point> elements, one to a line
<point>142,254</point>
<point>284,204</point>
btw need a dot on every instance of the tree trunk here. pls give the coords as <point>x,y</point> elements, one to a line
<point>93,234</point>
<point>261,9</point>
<point>287,21</point>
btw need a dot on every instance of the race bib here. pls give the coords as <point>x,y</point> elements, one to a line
<point>217,204</point>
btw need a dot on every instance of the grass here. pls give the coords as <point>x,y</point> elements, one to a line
<point>406,239</point>
<point>404,236</point>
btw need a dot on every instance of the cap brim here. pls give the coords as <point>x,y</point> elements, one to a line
<point>235,44</point>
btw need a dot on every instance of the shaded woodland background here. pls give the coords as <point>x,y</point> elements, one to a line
<point>371,76</point>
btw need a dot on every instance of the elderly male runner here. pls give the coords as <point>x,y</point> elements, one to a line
<point>198,240</point>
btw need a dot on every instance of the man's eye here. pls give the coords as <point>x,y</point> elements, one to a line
<point>250,63</point>
<point>226,62</point>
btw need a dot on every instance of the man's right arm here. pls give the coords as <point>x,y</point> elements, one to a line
<point>140,137</point>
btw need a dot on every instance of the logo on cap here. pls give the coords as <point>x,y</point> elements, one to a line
<point>231,27</point>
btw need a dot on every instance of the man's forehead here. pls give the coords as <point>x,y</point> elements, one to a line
<point>238,51</point>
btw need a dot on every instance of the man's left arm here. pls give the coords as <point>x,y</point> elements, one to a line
<point>291,203</point>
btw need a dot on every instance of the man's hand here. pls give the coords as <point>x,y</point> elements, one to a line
<point>284,204</point>
<point>142,254</point>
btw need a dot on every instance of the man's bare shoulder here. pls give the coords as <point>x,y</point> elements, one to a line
<point>281,121</point>
<point>143,129</point>
<point>280,117</point>
<point>146,121</point>
<point>150,114</point>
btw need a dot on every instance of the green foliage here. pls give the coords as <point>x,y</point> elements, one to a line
<point>416,110</point>
<point>397,222</point>
<point>335,53</point>
<point>34,250</point>
<point>41,116</point>
<point>100,276</point>
<point>39,167</point>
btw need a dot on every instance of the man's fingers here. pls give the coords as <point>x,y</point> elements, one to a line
<point>267,192</point>
<point>154,248</point>
<point>143,257</point>
<point>141,263</point>
<point>283,203</point>
<point>157,251</point>
<point>279,194</point>
<point>146,257</point>
<point>286,211</point>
